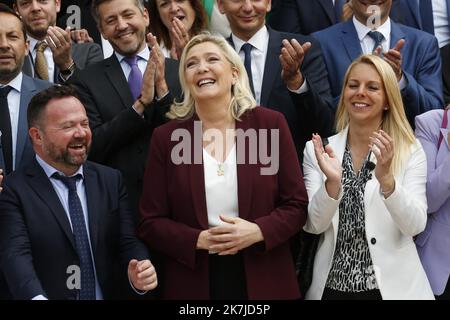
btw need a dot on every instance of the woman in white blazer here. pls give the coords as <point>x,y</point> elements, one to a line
<point>367,193</point>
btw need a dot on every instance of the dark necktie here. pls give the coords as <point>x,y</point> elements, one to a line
<point>426,15</point>
<point>338,5</point>
<point>377,38</point>
<point>87,290</point>
<point>247,48</point>
<point>135,77</point>
<point>5,128</point>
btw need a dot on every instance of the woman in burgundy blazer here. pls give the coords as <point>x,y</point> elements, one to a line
<point>271,197</point>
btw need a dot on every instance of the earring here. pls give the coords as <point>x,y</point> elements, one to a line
<point>386,108</point>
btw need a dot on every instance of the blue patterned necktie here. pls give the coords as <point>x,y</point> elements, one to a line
<point>426,15</point>
<point>247,48</point>
<point>135,77</point>
<point>87,290</point>
<point>377,38</point>
<point>5,128</point>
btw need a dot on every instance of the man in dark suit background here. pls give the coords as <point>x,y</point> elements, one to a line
<point>16,91</point>
<point>446,72</point>
<point>61,58</point>
<point>413,54</point>
<point>123,113</point>
<point>306,109</point>
<point>305,16</point>
<point>66,231</point>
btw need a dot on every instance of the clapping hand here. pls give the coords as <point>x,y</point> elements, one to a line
<point>329,164</point>
<point>382,146</point>
<point>291,59</point>
<point>180,37</point>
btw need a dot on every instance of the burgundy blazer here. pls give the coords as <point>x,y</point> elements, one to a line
<point>173,213</point>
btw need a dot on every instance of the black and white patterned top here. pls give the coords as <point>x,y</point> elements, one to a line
<point>352,267</point>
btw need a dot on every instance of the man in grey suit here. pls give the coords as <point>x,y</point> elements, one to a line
<point>16,91</point>
<point>53,56</point>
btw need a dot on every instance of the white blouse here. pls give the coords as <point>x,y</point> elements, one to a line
<point>220,187</point>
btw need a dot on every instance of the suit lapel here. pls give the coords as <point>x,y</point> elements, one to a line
<point>396,35</point>
<point>272,68</point>
<point>350,40</point>
<point>329,9</point>
<point>245,173</point>
<point>197,177</point>
<point>28,67</point>
<point>338,145</point>
<point>93,199</point>
<point>27,90</point>
<point>115,75</point>
<point>44,189</point>
<point>414,8</point>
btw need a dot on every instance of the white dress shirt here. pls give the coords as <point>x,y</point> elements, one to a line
<point>367,42</point>
<point>14,109</point>
<point>48,57</point>
<point>441,22</point>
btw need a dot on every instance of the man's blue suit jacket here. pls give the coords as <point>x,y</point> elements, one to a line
<point>421,63</point>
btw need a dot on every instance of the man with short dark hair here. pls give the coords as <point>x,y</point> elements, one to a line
<point>66,231</point>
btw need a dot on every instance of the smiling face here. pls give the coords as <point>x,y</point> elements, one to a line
<point>246,17</point>
<point>364,95</point>
<point>182,9</point>
<point>208,73</point>
<point>38,15</point>
<point>124,25</point>
<point>13,47</point>
<point>364,13</point>
<point>64,138</point>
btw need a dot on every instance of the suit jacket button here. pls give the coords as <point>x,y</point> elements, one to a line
<point>373,241</point>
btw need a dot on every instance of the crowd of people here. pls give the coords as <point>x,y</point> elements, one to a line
<point>178,149</point>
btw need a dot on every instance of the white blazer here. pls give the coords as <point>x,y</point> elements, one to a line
<point>390,225</point>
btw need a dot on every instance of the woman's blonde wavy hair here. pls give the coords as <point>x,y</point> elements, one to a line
<point>394,120</point>
<point>241,96</point>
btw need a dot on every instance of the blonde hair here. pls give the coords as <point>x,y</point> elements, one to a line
<point>241,96</point>
<point>394,122</point>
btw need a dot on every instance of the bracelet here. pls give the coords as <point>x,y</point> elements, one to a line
<point>142,102</point>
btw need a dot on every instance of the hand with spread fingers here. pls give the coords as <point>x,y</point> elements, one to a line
<point>180,37</point>
<point>291,59</point>
<point>60,42</point>
<point>142,275</point>
<point>383,148</point>
<point>235,235</point>
<point>81,36</point>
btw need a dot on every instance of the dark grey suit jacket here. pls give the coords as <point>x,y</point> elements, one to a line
<point>121,137</point>
<point>306,113</point>
<point>83,54</point>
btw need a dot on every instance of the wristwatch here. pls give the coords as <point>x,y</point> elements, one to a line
<point>68,71</point>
